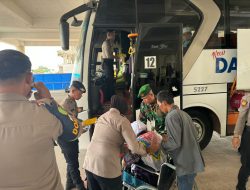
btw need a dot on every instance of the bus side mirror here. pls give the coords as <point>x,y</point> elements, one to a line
<point>64,35</point>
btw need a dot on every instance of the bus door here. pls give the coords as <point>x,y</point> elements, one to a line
<point>158,60</point>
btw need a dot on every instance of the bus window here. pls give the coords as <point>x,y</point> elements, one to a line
<point>217,38</point>
<point>178,11</point>
<point>236,17</point>
<point>239,18</point>
<point>113,12</point>
<point>78,67</point>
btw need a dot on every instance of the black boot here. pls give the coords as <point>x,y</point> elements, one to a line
<point>237,188</point>
<point>69,186</point>
<point>80,186</point>
<point>69,182</point>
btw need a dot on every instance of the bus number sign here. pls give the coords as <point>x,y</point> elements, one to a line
<point>200,89</point>
<point>150,62</point>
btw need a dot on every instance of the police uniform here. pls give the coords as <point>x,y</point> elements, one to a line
<point>27,132</point>
<point>151,111</point>
<point>71,149</point>
<point>108,61</point>
<point>102,162</point>
<point>70,106</point>
<point>243,124</point>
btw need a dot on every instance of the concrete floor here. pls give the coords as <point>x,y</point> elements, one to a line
<point>222,165</point>
<point>62,164</point>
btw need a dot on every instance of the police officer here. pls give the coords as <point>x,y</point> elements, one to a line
<point>70,149</point>
<point>108,61</point>
<point>150,111</point>
<point>243,124</point>
<point>27,130</point>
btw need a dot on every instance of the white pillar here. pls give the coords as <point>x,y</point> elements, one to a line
<point>20,48</point>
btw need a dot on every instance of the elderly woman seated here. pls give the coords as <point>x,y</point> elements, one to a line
<point>151,140</point>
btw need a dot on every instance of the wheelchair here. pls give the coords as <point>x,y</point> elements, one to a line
<point>166,178</point>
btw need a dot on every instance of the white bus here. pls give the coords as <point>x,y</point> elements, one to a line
<point>201,75</point>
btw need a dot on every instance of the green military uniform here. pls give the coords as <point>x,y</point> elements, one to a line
<point>151,111</point>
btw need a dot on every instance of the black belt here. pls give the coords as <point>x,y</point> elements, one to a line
<point>108,60</point>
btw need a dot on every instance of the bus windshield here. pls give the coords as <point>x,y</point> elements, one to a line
<point>165,11</point>
<point>127,13</point>
<point>78,67</point>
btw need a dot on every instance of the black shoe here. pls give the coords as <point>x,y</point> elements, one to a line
<point>80,186</point>
<point>69,186</point>
<point>237,188</point>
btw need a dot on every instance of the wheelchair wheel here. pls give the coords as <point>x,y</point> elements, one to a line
<point>146,187</point>
<point>174,186</point>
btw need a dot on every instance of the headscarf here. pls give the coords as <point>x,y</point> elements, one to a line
<point>119,103</point>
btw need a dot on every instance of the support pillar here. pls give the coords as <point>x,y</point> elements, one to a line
<point>20,48</point>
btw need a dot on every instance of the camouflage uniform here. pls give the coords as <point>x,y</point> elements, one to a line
<point>152,112</point>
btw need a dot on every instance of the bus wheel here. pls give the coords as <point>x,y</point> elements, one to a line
<point>203,127</point>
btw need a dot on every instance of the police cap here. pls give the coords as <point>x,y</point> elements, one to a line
<point>78,85</point>
<point>144,90</point>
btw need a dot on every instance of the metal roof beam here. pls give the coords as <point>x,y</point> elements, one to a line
<point>52,35</point>
<point>37,38</point>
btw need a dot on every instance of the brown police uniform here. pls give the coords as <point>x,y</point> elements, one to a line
<point>107,50</point>
<point>102,157</point>
<point>71,150</point>
<point>108,61</point>
<point>70,106</point>
<point>27,157</point>
<point>243,128</point>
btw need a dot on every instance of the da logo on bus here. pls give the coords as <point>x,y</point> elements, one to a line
<point>223,66</point>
